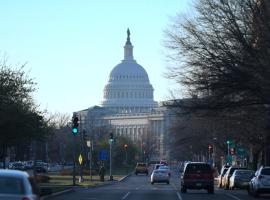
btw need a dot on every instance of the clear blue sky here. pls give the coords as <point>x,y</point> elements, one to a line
<point>72,45</point>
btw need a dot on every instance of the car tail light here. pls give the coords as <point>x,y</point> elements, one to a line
<point>25,198</point>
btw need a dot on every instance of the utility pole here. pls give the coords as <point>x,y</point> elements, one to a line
<point>110,142</point>
<point>90,145</point>
<point>75,126</point>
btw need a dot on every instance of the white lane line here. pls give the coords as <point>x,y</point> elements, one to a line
<point>139,187</point>
<point>179,196</point>
<point>126,195</point>
<point>234,197</point>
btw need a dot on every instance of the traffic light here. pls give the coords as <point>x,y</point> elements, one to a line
<point>228,142</point>
<point>111,138</point>
<point>75,125</point>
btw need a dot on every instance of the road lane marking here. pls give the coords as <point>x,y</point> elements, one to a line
<point>232,196</point>
<point>139,187</point>
<point>179,196</point>
<point>126,195</point>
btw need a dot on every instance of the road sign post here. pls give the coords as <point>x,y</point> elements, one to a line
<point>90,158</point>
<point>80,159</point>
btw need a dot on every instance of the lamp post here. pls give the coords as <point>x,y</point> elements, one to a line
<point>228,150</point>
<point>90,157</point>
<point>110,142</point>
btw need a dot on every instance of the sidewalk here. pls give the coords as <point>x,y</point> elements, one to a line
<point>87,183</point>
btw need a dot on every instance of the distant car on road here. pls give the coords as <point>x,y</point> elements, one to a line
<point>141,168</point>
<point>197,175</point>
<point>241,179</point>
<point>160,176</point>
<point>260,183</point>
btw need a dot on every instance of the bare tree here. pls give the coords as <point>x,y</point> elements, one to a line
<point>221,54</point>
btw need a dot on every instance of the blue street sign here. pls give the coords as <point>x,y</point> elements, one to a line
<point>103,154</point>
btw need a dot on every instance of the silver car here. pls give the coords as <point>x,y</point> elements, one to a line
<point>15,185</point>
<point>260,184</point>
<point>241,178</point>
<point>160,176</point>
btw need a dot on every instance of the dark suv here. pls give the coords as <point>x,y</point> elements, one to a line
<point>197,175</point>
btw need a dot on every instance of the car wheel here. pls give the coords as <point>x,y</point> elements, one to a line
<point>152,183</point>
<point>136,173</point>
<point>183,189</point>
<point>168,182</point>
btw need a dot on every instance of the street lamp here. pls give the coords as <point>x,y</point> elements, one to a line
<point>228,150</point>
<point>90,157</point>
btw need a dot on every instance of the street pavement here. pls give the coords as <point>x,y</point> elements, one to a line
<point>140,188</point>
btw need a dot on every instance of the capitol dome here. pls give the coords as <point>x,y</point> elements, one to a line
<point>128,89</point>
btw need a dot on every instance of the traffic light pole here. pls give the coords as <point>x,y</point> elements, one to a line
<point>74,160</point>
<point>111,177</point>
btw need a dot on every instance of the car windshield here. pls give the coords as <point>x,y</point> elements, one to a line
<point>11,185</point>
<point>265,171</point>
<point>244,173</point>
<point>163,167</point>
<point>198,168</point>
<point>160,172</point>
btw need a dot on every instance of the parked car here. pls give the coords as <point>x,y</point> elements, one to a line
<point>227,176</point>
<point>141,168</point>
<point>15,184</point>
<point>222,173</point>
<point>160,176</point>
<point>197,175</point>
<point>241,178</point>
<point>17,166</point>
<point>260,183</point>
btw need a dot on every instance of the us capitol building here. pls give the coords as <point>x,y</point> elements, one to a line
<point>128,109</point>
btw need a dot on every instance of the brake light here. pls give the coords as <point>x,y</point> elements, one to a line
<point>25,198</point>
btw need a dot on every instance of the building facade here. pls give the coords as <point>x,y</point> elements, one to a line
<point>128,109</point>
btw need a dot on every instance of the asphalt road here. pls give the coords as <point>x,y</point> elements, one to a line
<point>140,188</point>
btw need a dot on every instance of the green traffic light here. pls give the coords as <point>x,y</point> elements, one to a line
<point>228,142</point>
<point>75,131</point>
<point>110,141</point>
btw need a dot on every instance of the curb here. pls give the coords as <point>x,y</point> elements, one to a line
<point>56,194</point>
<point>125,177</point>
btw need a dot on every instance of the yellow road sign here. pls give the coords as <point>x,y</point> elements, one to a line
<point>80,159</point>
